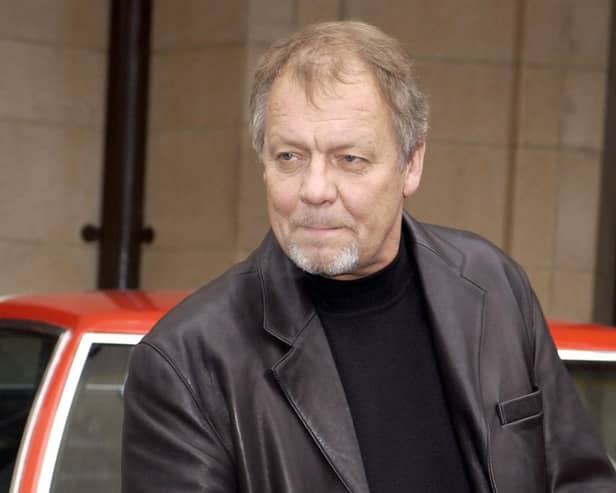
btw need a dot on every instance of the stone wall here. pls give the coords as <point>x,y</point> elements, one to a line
<point>53,57</point>
<point>517,90</point>
<point>195,135</point>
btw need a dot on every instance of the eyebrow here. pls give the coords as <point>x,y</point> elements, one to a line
<point>364,143</point>
<point>277,139</point>
<point>361,141</point>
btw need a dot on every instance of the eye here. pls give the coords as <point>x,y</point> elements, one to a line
<point>286,156</point>
<point>352,159</point>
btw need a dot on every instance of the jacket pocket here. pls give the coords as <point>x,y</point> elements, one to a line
<point>520,409</point>
<point>518,445</point>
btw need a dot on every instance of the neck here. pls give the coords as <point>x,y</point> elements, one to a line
<point>368,293</point>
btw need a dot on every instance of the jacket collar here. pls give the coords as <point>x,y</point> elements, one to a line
<point>307,373</point>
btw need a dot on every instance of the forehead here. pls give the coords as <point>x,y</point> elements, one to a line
<point>356,101</point>
<point>321,80</point>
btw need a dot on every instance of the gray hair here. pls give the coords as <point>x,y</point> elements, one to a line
<point>319,56</point>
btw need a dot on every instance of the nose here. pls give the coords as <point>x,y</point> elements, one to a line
<point>318,184</point>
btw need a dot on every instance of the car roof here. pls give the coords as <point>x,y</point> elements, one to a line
<point>585,336</point>
<point>135,311</point>
<point>125,311</point>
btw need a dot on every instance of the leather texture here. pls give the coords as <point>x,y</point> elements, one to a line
<point>236,390</point>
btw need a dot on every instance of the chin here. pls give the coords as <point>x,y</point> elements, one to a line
<point>343,260</point>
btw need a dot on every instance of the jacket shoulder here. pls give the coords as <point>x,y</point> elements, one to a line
<point>484,264</point>
<point>479,256</point>
<point>467,243</point>
<point>223,309</point>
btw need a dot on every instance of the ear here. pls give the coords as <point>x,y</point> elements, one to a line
<point>413,170</point>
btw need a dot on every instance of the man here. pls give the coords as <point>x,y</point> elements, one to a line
<point>356,349</point>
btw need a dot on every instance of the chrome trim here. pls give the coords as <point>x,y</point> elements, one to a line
<point>66,400</point>
<point>24,446</point>
<point>586,355</point>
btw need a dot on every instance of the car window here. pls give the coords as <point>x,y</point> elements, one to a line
<point>24,356</point>
<point>596,384</point>
<point>89,454</point>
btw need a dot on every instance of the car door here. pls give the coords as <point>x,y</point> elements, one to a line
<point>594,375</point>
<point>28,351</point>
<point>83,450</point>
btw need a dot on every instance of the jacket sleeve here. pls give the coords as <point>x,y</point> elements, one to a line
<point>168,444</point>
<point>575,458</point>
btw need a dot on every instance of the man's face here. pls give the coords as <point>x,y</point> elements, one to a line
<point>333,178</point>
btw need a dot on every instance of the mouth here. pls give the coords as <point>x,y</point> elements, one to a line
<point>316,227</point>
<point>319,228</point>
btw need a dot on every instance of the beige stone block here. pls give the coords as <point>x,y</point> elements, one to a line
<point>535,202</point>
<point>253,218</point>
<point>435,200</point>
<point>479,30</point>
<point>198,23</point>
<point>470,102</point>
<point>51,84</point>
<point>572,295</point>
<point>576,239</point>
<point>191,194</point>
<point>589,33</point>
<point>310,11</point>
<point>270,20</point>
<point>541,106</point>
<point>584,112</point>
<point>464,187</point>
<point>541,282</point>
<point>61,22</point>
<point>567,32</point>
<point>35,266</point>
<point>182,269</point>
<point>198,88</point>
<point>545,31</point>
<point>482,194</point>
<point>254,51</point>
<point>49,181</point>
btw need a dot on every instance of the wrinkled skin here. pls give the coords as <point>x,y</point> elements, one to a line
<point>335,185</point>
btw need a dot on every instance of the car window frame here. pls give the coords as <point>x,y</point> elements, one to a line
<point>588,355</point>
<point>64,336</point>
<point>60,418</point>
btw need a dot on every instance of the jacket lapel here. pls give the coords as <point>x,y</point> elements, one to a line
<point>455,307</point>
<point>310,381</point>
<point>307,373</point>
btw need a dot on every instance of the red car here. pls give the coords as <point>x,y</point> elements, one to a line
<point>63,363</point>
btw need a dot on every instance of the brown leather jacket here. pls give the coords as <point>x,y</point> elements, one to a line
<point>236,390</point>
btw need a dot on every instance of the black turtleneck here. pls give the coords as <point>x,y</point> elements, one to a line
<point>380,337</point>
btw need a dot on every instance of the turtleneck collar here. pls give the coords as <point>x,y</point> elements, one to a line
<point>367,294</point>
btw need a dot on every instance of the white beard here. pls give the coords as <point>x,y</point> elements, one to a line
<point>343,262</point>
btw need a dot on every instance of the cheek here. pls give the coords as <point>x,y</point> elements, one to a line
<point>281,196</point>
<point>373,208</point>
<point>366,202</point>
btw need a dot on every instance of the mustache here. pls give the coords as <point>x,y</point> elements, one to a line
<point>320,221</point>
